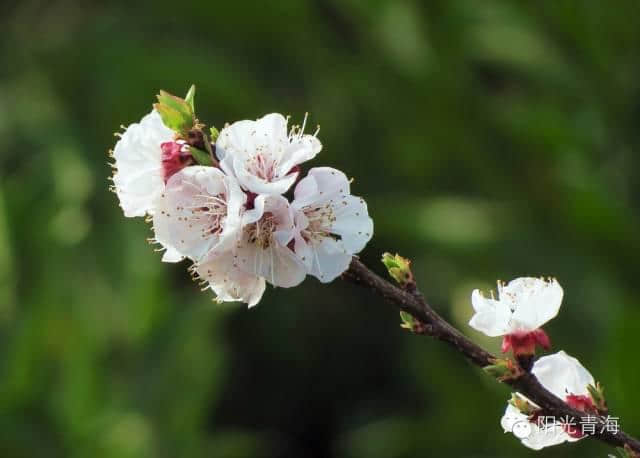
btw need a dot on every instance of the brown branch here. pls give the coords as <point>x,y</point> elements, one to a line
<point>434,325</point>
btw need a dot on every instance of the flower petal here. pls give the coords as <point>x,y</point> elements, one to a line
<point>138,178</point>
<point>270,132</point>
<point>352,223</point>
<point>535,301</point>
<point>277,264</point>
<point>172,255</point>
<point>263,249</point>
<point>236,139</point>
<point>262,156</point>
<point>491,317</point>
<point>199,208</point>
<point>329,260</point>
<point>511,417</point>
<point>229,282</point>
<point>531,434</point>
<point>562,375</point>
<point>332,223</point>
<point>299,151</point>
<point>258,185</point>
<point>306,192</point>
<point>553,434</point>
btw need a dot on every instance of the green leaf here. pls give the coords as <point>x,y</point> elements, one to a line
<point>522,404</point>
<point>407,321</point>
<point>597,396</point>
<point>202,157</point>
<point>170,117</point>
<point>214,134</point>
<point>501,369</point>
<point>189,98</point>
<point>176,103</point>
<point>176,113</point>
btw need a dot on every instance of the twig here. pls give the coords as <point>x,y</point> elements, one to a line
<point>434,325</point>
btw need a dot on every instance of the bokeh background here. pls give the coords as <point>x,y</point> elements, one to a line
<point>491,139</point>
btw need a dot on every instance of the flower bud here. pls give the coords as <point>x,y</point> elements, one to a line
<point>400,269</point>
<point>175,156</point>
<point>408,321</point>
<point>502,369</point>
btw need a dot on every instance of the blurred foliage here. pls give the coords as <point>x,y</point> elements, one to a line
<point>491,139</point>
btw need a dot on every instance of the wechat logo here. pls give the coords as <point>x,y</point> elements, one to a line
<point>521,429</point>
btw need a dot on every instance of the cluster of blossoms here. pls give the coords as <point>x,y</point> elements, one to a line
<point>234,202</point>
<point>517,314</point>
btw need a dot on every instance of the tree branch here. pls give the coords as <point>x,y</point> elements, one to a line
<point>434,325</point>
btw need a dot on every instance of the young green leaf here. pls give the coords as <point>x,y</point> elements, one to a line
<point>175,112</point>
<point>407,321</point>
<point>189,98</point>
<point>202,157</point>
<point>399,269</point>
<point>214,134</point>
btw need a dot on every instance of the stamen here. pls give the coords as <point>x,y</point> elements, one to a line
<point>261,232</point>
<point>320,219</point>
<point>304,123</point>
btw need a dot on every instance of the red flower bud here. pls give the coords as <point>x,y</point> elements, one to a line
<point>175,157</point>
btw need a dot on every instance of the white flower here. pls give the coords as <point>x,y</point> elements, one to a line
<point>522,306</point>
<point>139,177</point>
<point>563,375</point>
<point>331,224</point>
<point>228,282</point>
<point>200,210</point>
<point>567,379</point>
<point>262,155</point>
<point>263,246</point>
<point>199,215</point>
<point>531,434</point>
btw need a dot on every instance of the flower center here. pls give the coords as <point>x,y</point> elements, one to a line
<point>320,218</point>
<point>262,165</point>
<point>210,212</point>
<point>261,232</point>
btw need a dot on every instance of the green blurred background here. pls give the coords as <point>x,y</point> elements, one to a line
<point>491,139</point>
